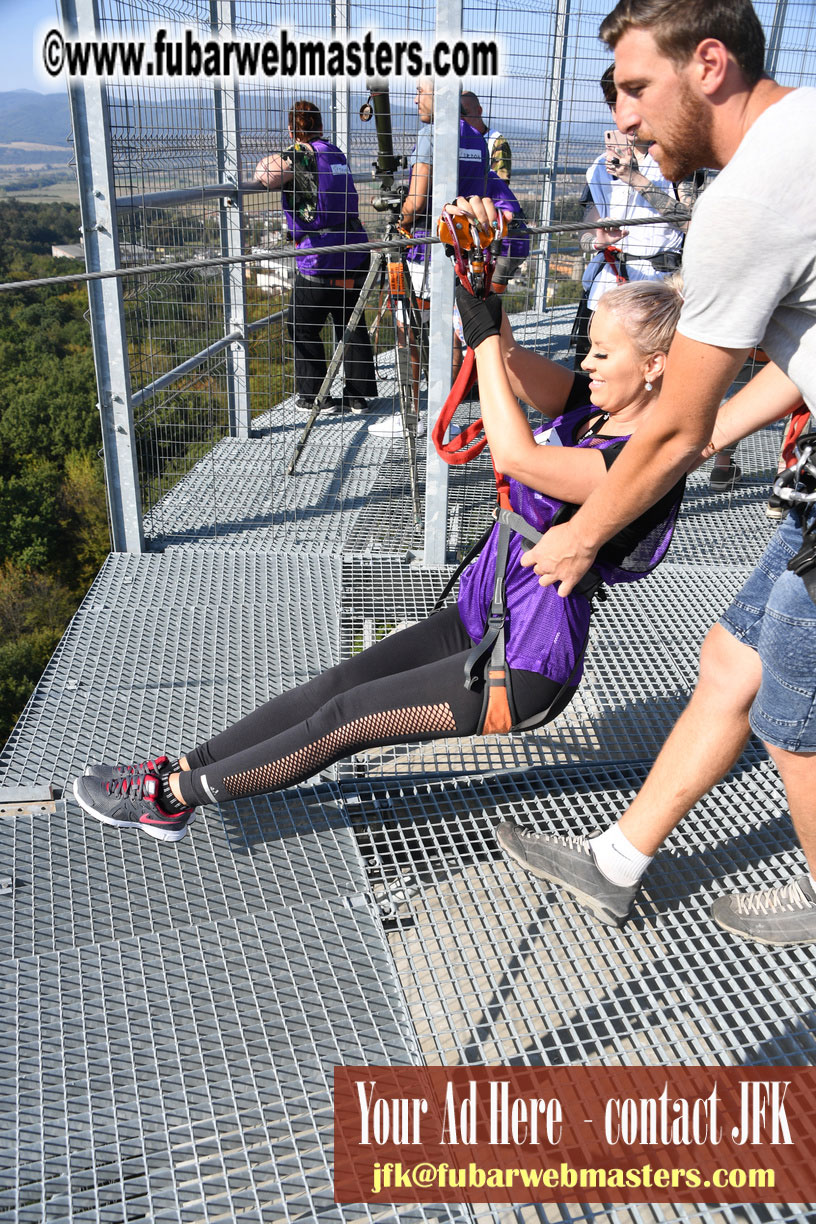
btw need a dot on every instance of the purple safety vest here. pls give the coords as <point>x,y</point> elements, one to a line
<point>472,180</point>
<point>545,633</point>
<point>517,243</point>
<point>336,219</point>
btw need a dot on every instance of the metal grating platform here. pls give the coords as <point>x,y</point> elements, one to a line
<point>188,1075</point>
<point>238,495</point>
<point>171,1014</point>
<point>76,883</point>
<point>167,650</point>
<point>499,968</point>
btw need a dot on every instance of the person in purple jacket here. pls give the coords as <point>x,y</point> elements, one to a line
<point>409,687</point>
<point>474,177</point>
<point>321,208</point>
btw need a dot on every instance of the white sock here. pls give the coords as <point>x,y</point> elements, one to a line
<point>617,858</point>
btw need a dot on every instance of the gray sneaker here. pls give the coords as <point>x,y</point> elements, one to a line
<point>782,916</point>
<point>569,862</point>
<point>161,765</point>
<point>132,801</point>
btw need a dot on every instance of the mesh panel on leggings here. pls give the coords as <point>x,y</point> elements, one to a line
<point>405,724</point>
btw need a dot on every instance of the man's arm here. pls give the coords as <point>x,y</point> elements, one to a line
<point>665,205</point>
<point>417,194</point>
<point>768,397</point>
<point>681,423</point>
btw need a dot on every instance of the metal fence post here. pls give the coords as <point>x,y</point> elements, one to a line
<point>339,122</point>
<point>445,182</point>
<point>775,38</point>
<point>97,202</point>
<point>231,218</point>
<point>341,29</point>
<point>555,104</point>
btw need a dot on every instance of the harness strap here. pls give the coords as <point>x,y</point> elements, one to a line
<point>487,663</point>
<point>472,440</point>
<point>799,418</point>
<point>498,714</point>
<point>662,261</point>
<point>472,552</point>
<point>591,583</point>
<point>610,254</point>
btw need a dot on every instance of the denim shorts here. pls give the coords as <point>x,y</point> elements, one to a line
<point>774,614</point>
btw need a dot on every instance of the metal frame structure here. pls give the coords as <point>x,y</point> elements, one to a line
<point>552,146</point>
<point>228,139</point>
<point>171,1015</point>
<point>102,212</point>
<point>89,116</point>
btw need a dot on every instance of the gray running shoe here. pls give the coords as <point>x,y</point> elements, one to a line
<point>161,765</point>
<point>782,916</point>
<point>132,801</point>
<point>569,863</point>
<point>775,508</point>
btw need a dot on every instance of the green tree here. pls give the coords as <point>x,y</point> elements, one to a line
<point>53,517</point>
<point>33,611</point>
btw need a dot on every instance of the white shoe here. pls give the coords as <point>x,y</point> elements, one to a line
<point>390,427</point>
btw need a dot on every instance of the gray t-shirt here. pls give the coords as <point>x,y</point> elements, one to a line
<point>749,262</point>
<point>423,149</point>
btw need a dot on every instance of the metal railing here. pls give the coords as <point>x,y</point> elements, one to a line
<point>190,345</point>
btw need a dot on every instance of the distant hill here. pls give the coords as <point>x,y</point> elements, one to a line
<point>45,119</point>
<point>41,118</point>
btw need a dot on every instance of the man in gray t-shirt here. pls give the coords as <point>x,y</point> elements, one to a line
<point>690,81</point>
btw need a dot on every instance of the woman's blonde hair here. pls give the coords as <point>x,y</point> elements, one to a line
<point>648,311</point>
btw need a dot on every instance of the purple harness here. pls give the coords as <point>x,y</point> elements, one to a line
<point>535,629</point>
<point>471,179</point>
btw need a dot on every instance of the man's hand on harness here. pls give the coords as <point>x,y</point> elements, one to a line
<point>481,317</point>
<point>562,556</point>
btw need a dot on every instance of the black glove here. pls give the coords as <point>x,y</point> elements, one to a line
<point>481,317</point>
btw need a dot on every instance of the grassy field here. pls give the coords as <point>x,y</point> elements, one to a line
<point>36,174</point>
<point>61,193</point>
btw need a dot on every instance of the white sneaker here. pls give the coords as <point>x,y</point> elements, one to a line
<point>390,427</point>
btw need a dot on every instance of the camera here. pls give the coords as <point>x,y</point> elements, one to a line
<point>390,201</point>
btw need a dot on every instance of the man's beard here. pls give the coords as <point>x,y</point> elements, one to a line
<point>686,143</point>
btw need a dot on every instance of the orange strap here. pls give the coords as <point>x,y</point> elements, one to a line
<point>497,718</point>
<point>611,254</point>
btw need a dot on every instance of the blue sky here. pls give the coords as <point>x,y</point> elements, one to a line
<point>18,21</point>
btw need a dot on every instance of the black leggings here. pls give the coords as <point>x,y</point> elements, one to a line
<point>408,688</point>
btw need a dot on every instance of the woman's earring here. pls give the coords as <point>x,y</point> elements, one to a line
<point>648,386</point>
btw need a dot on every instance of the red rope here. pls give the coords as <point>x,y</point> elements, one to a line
<point>471,440</point>
<point>794,429</point>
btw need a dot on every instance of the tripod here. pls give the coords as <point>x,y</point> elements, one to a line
<point>389,267</point>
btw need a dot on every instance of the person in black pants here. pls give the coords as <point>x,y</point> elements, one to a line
<point>409,687</point>
<point>321,208</point>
